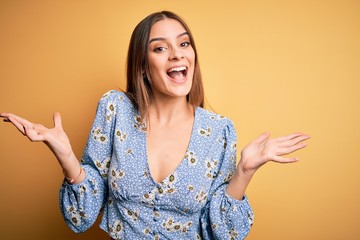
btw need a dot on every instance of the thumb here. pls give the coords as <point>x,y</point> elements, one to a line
<point>57,120</point>
<point>262,137</point>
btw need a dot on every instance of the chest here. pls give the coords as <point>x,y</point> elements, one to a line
<point>166,148</point>
<point>186,188</point>
<point>183,168</point>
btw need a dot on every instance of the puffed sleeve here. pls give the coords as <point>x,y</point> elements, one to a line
<point>81,203</point>
<point>225,217</point>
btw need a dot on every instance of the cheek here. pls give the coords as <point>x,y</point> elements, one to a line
<point>155,64</point>
<point>155,75</point>
<point>193,66</point>
<point>153,70</point>
<point>192,55</point>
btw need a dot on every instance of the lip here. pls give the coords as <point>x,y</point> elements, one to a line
<point>177,66</point>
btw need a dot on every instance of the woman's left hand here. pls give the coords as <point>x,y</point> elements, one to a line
<point>264,149</point>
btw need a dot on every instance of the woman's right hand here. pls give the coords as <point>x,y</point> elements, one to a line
<point>55,138</point>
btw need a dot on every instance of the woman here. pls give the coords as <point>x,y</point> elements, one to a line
<point>159,165</point>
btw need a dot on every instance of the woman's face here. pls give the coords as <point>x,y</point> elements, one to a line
<point>171,59</point>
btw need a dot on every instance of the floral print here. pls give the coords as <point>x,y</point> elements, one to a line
<point>110,111</point>
<point>116,228</point>
<point>75,216</point>
<point>201,196</point>
<point>97,135</point>
<point>190,156</point>
<point>103,166</point>
<point>171,226</point>
<point>190,203</point>
<point>121,135</point>
<point>211,168</point>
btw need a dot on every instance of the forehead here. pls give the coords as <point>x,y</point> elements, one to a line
<point>166,28</point>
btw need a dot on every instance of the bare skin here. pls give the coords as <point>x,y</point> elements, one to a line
<point>168,138</point>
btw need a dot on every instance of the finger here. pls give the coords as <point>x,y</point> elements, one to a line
<point>264,136</point>
<point>289,137</point>
<point>5,117</point>
<point>18,119</point>
<point>280,159</point>
<point>57,120</point>
<point>294,141</point>
<point>18,125</point>
<point>291,149</point>
<point>2,114</point>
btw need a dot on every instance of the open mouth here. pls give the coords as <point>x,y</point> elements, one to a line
<point>177,73</point>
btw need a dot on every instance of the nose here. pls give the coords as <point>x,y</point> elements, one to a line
<point>176,54</point>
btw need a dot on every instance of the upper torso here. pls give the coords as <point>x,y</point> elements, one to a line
<point>175,203</point>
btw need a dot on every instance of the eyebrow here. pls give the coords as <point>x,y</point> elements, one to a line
<point>163,39</point>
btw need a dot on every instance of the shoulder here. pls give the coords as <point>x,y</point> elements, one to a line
<point>115,99</point>
<point>114,95</point>
<point>214,126</point>
<point>215,130</point>
<point>214,119</point>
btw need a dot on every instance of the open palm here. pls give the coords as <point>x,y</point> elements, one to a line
<point>264,149</point>
<point>55,138</point>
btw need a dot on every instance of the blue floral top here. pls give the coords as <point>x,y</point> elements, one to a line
<point>190,203</point>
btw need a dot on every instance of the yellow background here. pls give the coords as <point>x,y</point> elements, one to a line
<point>278,66</point>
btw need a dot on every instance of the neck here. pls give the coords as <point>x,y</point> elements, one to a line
<point>170,111</point>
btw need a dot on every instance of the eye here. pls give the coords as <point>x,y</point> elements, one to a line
<point>185,44</point>
<point>159,49</point>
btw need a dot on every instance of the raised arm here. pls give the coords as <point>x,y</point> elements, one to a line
<point>260,151</point>
<point>55,138</point>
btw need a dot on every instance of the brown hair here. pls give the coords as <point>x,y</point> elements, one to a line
<point>138,86</point>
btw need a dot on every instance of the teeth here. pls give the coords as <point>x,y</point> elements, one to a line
<point>177,69</point>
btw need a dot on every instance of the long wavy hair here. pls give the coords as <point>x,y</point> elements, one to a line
<point>138,86</point>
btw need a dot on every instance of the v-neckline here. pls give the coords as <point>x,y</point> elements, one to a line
<point>183,158</point>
